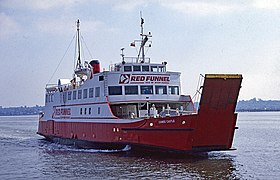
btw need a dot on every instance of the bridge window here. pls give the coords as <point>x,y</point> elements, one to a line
<point>127,68</point>
<point>69,95</point>
<point>64,96</point>
<point>146,89</point>
<point>117,67</point>
<point>80,94</point>
<point>97,92</point>
<point>115,90</point>
<point>136,68</point>
<point>162,69</point>
<point>85,93</point>
<point>161,90</point>
<point>145,68</point>
<point>131,90</point>
<point>74,95</point>
<point>173,90</point>
<point>47,98</point>
<point>154,68</point>
<point>90,95</point>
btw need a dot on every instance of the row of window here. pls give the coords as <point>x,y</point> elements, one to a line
<point>49,97</point>
<point>83,93</point>
<point>143,68</point>
<point>144,89</point>
<point>78,94</point>
<point>117,90</point>
<point>85,111</point>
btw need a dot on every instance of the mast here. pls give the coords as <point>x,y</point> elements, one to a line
<point>142,36</point>
<point>78,65</point>
<point>144,40</point>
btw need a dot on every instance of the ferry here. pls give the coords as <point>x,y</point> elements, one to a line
<point>138,103</point>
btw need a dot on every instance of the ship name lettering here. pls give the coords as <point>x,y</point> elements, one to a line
<point>157,78</point>
<point>137,78</point>
<point>63,111</point>
<point>149,78</point>
<point>166,121</point>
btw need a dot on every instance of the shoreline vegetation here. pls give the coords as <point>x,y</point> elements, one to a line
<point>20,111</point>
<point>252,105</point>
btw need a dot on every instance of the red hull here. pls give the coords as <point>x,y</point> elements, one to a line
<point>212,128</point>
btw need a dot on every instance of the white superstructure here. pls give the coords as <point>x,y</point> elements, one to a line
<point>133,89</point>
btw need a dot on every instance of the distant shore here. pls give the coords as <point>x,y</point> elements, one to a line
<point>20,111</point>
<point>252,105</point>
<point>258,105</point>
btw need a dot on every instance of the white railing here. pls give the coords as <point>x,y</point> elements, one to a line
<point>147,60</point>
<point>50,88</point>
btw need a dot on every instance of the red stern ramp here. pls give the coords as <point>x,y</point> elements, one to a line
<point>216,119</point>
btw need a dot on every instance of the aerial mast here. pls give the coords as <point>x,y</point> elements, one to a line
<point>144,40</point>
<point>142,35</point>
<point>78,65</point>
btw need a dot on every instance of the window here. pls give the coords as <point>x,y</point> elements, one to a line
<point>81,111</point>
<point>145,68</point>
<point>85,110</point>
<point>85,93</point>
<point>89,110</point>
<point>146,89</point>
<point>131,90</point>
<point>98,110</point>
<point>161,68</point>
<point>90,95</point>
<point>74,95</point>
<point>115,90</point>
<point>161,90</point>
<point>80,94</point>
<point>117,67</point>
<point>47,97</point>
<point>97,92</point>
<point>154,68</point>
<point>136,68</point>
<point>173,90</point>
<point>69,95</point>
<point>101,78</point>
<point>127,68</point>
<point>64,97</point>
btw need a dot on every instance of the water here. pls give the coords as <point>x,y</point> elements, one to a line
<point>25,155</point>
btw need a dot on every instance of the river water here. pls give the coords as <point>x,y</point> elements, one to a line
<point>25,155</point>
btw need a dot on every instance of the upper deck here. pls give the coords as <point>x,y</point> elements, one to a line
<point>132,79</point>
<point>132,64</point>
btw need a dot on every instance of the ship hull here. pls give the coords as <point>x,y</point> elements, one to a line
<point>174,134</point>
<point>210,129</point>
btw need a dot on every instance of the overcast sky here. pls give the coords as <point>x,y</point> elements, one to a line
<point>194,37</point>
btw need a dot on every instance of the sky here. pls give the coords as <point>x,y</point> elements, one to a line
<point>194,36</point>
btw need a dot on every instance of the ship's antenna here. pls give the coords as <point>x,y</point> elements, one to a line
<point>142,37</point>
<point>144,40</point>
<point>78,65</point>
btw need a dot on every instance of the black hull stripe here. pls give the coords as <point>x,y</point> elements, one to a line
<point>157,129</point>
